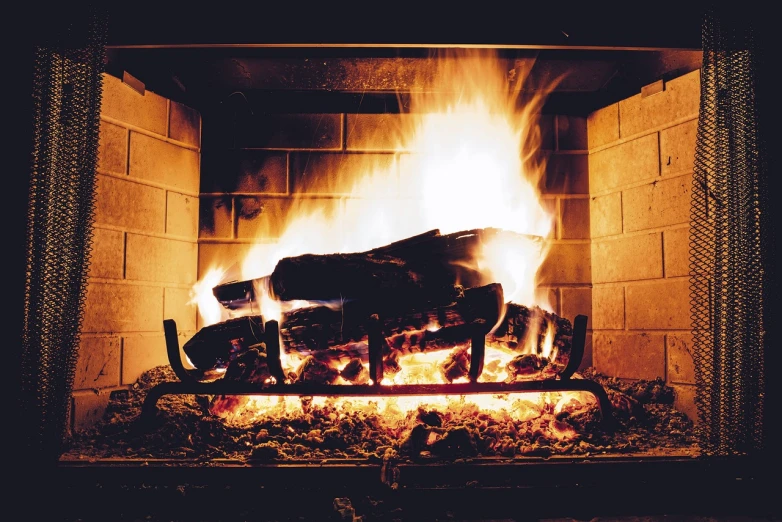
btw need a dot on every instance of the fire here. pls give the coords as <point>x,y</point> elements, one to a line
<point>467,158</point>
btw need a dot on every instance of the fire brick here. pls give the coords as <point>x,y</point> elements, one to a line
<point>676,245</point>
<point>566,174</point>
<point>216,217</point>
<point>629,356</point>
<point>158,161</point>
<point>606,215</point>
<point>624,164</point>
<point>150,258</point>
<point>608,307</point>
<point>221,256</point>
<point>177,306</point>
<point>575,218</point>
<point>122,308</point>
<point>122,103</point>
<point>603,126</point>
<point>588,359</point>
<point>182,215</point>
<point>142,352</point>
<point>184,124</point>
<point>88,407</point>
<point>130,205</point>
<point>658,204</point>
<point>627,258</point>
<point>660,304</point>
<point>108,253</point>
<point>324,173</point>
<point>577,301</point>
<point>292,131</point>
<point>571,133</point>
<point>684,400</point>
<point>566,263</point>
<point>548,140</point>
<point>550,295</point>
<point>378,132</point>
<point>112,148</point>
<point>677,148</point>
<point>258,171</point>
<point>98,365</point>
<point>681,367</point>
<point>680,99</point>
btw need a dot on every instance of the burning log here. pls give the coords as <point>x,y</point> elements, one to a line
<point>250,366</point>
<point>392,282</point>
<point>523,327</point>
<point>215,346</point>
<point>425,267</point>
<point>457,364</point>
<point>355,372</point>
<point>326,332</point>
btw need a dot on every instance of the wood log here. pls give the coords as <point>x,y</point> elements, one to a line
<point>217,345</point>
<point>520,321</point>
<point>384,281</point>
<point>343,332</point>
<point>396,276</point>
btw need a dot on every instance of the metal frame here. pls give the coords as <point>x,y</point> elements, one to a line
<point>189,380</point>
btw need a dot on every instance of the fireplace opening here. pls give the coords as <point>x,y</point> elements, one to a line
<point>441,267</point>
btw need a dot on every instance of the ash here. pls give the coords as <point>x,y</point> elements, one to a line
<point>646,424</point>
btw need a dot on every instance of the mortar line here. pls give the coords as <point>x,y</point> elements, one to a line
<point>148,133</point>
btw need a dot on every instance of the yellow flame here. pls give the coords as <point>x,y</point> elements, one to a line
<point>467,158</point>
<point>209,308</point>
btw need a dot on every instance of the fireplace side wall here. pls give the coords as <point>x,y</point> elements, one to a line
<point>641,156</point>
<point>145,252</point>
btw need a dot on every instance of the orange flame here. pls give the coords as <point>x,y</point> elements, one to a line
<point>466,157</point>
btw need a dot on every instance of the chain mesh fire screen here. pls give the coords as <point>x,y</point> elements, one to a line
<point>729,243</point>
<point>66,108</point>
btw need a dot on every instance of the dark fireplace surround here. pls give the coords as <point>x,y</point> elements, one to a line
<point>702,486</point>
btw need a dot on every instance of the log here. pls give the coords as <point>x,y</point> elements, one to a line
<point>335,332</point>
<point>520,321</point>
<point>374,279</point>
<point>424,267</point>
<point>217,345</point>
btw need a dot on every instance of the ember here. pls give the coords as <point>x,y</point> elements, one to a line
<point>310,429</point>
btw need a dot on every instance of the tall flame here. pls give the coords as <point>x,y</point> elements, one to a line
<point>466,158</point>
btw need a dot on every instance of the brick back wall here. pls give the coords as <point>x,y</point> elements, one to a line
<point>641,156</point>
<point>145,251</point>
<point>249,178</point>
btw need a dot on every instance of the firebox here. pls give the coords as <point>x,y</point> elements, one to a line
<point>372,268</point>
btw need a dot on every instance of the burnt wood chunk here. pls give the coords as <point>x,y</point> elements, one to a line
<point>343,333</point>
<point>522,327</point>
<point>388,281</point>
<point>216,345</point>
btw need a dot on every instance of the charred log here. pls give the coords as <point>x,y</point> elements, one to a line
<point>216,345</point>
<point>386,281</point>
<point>523,327</point>
<point>343,332</point>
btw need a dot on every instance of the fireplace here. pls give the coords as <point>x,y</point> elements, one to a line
<point>215,157</point>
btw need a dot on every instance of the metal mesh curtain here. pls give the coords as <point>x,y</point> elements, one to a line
<point>730,241</point>
<point>66,109</point>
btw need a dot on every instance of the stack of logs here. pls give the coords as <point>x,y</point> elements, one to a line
<point>424,292</point>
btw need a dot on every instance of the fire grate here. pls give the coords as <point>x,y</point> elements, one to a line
<point>190,382</point>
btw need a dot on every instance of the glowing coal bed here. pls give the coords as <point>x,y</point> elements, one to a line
<point>191,429</point>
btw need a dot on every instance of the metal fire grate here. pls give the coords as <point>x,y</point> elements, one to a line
<point>190,383</point>
<point>66,97</point>
<point>727,243</point>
